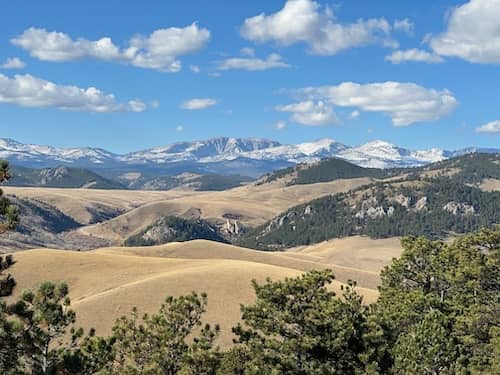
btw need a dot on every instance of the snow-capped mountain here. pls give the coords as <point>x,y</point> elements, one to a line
<point>380,154</point>
<point>224,155</point>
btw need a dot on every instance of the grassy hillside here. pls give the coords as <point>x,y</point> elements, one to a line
<point>61,177</point>
<point>470,168</point>
<point>107,283</point>
<point>432,207</point>
<point>324,171</point>
<point>196,182</point>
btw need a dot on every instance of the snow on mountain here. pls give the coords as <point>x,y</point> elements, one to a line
<point>222,151</point>
<point>211,150</point>
<point>381,154</point>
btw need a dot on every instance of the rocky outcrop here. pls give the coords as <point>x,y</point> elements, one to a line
<point>372,210</point>
<point>421,204</point>
<point>231,228</point>
<point>457,208</point>
<point>402,200</point>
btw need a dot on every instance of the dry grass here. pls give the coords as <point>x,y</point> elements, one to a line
<point>357,252</point>
<point>490,184</point>
<point>107,283</point>
<point>252,204</point>
<point>79,203</point>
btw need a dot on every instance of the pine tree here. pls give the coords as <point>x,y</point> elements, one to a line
<point>46,316</point>
<point>9,353</point>
<point>298,326</point>
<point>8,212</point>
<point>158,343</point>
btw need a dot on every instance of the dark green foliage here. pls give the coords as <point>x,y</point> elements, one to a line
<point>334,169</point>
<point>175,229</point>
<point>335,216</point>
<point>324,171</point>
<point>233,362</point>
<point>45,315</point>
<point>298,326</point>
<point>439,307</point>
<point>471,168</point>
<point>8,212</point>
<point>158,343</point>
<point>276,175</point>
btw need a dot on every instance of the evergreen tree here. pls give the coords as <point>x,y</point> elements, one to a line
<point>298,326</point>
<point>9,330</point>
<point>439,307</point>
<point>8,212</point>
<point>45,315</point>
<point>158,344</point>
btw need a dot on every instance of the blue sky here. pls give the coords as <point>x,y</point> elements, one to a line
<point>419,74</point>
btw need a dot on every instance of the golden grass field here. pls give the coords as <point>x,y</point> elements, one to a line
<point>252,204</point>
<point>107,283</point>
<point>77,203</point>
<point>490,184</point>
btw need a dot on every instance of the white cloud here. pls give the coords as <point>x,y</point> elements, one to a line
<point>354,114</point>
<point>137,105</point>
<point>405,103</point>
<point>29,91</point>
<point>198,103</point>
<point>414,54</point>
<point>13,63</point>
<point>252,63</point>
<point>310,113</point>
<point>160,50</point>
<point>404,25</point>
<point>249,52</point>
<point>490,127</point>
<point>473,33</point>
<point>195,68</point>
<point>179,128</point>
<point>304,21</point>
<point>280,125</point>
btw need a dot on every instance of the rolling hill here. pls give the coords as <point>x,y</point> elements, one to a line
<point>107,283</point>
<point>60,177</point>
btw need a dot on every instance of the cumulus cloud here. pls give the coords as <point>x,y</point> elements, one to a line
<point>305,21</point>
<point>404,25</point>
<point>29,91</point>
<point>198,103</point>
<point>272,61</point>
<point>310,113</point>
<point>473,33</point>
<point>490,127</point>
<point>405,103</point>
<point>13,63</point>
<point>160,50</point>
<point>280,125</point>
<point>414,54</point>
<point>179,128</point>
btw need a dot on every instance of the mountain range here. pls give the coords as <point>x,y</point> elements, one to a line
<point>244,156</point>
